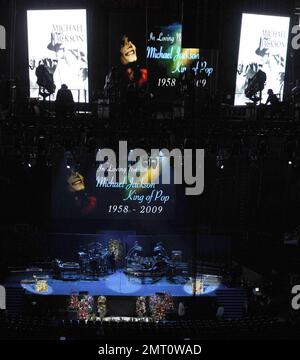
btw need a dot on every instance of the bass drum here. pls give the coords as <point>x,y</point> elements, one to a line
<point>160,266</point>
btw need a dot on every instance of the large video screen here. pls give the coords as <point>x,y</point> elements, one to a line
<point>172,68</point>
<point>57,40</point>
<point>80,191</point>
<point>263,46</point>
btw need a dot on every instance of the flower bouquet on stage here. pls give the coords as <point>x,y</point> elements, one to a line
<point>83,307</point>
<point>160,304</point>
<point>101,305</point>
<point>141,309</point>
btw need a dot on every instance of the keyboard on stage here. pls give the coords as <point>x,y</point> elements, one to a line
<point>70,271</point>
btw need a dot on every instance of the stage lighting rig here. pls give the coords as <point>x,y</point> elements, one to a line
<point>256,86</point>
<point>44,73</point>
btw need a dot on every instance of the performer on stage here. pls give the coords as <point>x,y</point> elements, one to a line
<point>272,99</point>
<point>64,101</point>
<point>274,103</point>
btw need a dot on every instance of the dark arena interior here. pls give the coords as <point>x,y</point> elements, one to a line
<point>150,170</point>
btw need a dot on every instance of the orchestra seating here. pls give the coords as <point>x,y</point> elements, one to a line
<point>24,327</point>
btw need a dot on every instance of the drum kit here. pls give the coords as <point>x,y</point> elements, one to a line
<point>94,260</point>
<point>155,266</point>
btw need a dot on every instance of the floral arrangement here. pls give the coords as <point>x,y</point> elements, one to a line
<point>101,305</point>
<point>141,306</point>
<point>160,304</point>
<point>83,306</point>
<point>73,303</point>
<point>41,286</point>
<point>90,300</point>
<point>197,286</point>
<point>115,247</point>
<point>83,310</point>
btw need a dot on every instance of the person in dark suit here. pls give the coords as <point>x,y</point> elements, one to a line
<point>64,101</point>
<point>272,98</point>
<point>274,103</point>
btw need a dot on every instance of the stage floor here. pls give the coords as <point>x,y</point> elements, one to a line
<point>119,284</point>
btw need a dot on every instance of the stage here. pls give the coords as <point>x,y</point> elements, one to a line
<point>119,284</point>
<point>121,292</point>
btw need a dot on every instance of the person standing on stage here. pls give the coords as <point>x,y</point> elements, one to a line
<point>274,103</point>
<point>64,101</point>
